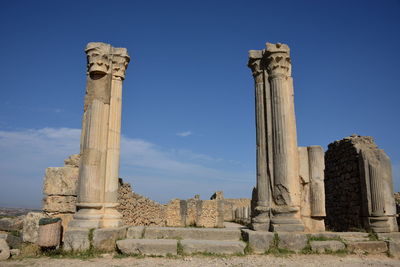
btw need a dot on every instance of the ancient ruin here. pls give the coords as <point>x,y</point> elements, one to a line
<point>298,190</point>
<point>280,204</point>
<point>100,138</point>
<point>359,186</point>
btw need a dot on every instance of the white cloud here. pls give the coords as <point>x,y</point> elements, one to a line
<point>153,171</point>
<point>184,134</point>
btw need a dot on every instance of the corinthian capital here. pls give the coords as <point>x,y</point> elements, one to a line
<point>98,58</point>
<point>120,61</point>
<point>277,60</point>
<point>255,64</point>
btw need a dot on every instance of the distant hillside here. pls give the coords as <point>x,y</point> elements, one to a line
<point>15,211</point>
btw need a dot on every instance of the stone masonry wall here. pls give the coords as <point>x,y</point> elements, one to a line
<point>137,209</point>
<point>344,202</point>
<point>195,212</point>
<point>232,204</point>
<point>60,194</point>
<point>60,190</point>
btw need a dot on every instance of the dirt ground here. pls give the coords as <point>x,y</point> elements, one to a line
<point>203,261</point>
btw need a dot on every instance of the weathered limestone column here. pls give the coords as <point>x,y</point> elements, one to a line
<point>317,166</point>
<point>376,175</point>
<point>286,183</point>
<point>94,138</point>
<point>260,221</point>
<point>100,138</point>
<point>120,60</point>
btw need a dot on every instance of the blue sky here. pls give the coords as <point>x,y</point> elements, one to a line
<point>188,101</point>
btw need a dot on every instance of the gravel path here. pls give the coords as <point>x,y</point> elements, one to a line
<point>194,261</point>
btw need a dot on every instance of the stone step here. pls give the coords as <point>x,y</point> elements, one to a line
<point>371,247</point>
<point>353,236</point>
<point>155,247</point>
<point>324,246</point>
<point>163,247</point>
<point>212,246</point>
<point>192,233</point>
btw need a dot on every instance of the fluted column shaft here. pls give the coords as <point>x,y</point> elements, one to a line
<point>112,218</point>
<point>100,138</point>
<point>284,144</point>
<point>317,166</point>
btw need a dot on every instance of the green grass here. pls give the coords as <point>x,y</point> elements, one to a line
<point>179,248</point>
<point>248,250</point>
<point>275,250</point>
<point>373,236</point>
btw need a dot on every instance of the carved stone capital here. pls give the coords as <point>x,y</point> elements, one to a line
<point>277,60</point>
<point>120,61</point>
<point>98,58</point>
<point>254,64</point>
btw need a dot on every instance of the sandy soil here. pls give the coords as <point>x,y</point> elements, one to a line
<point>194,261</point>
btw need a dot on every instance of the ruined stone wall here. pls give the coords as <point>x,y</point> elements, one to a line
<point>195,212</point>
<point>397,199</point>
<point>137,209</point>
<point>348,192</point>
<point>232,204</point>
<point>342,184</point>
<point>60,190</point>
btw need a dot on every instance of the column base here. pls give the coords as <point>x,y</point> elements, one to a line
<point>112,217</point>
<point>88,216</point>
<point>261,220</point>
<point>285,220</point>
<point>379,224</point>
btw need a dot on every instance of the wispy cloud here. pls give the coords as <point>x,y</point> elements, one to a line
<point>184,134</point>
<point>154,171</point>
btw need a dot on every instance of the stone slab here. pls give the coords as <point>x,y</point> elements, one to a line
<point>259,241</point>
<point>4,250</point>
<point>30,231</point>
<point>135,232</point>
<point>12,241</point>
<point>105,239</point>
<point>323,246</point>
<point>371,247</point>
<point>15,252</point>
<point>59,204</point>
<point>11,224</point>
<point>212,246</point>
<point>287,228</point>
<point>330,235</point>
<point>76,240</point>
<point>192,233</point>
<point>61,181</point>
<point>389,236</point>
<point>292,241</point>
<point>353,236</point>
<point>394,248</point>
<point>157,247</point>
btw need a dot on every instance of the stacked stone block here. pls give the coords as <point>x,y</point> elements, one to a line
<point>60,189</point>
<point>231,205</point>
<point>349,188</point>
<point>195,212</point>
<point>137,209</point>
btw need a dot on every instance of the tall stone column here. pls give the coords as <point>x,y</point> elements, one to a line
<point>94,138</point>
<point>286,182</point>
<point>260,220</point>
<point>100,138</point>
<point>112,218</point>
<point>317,166</point>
